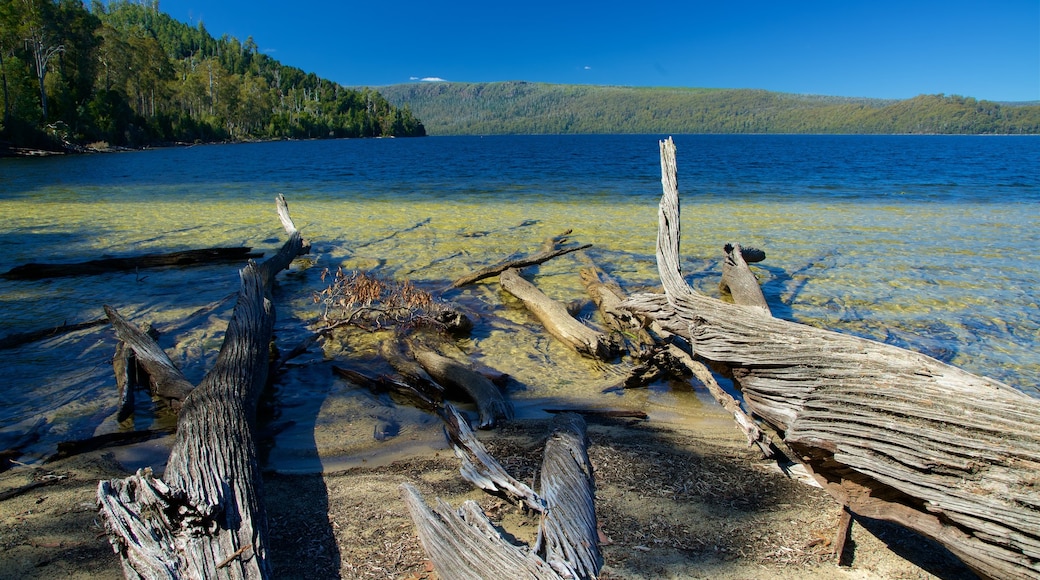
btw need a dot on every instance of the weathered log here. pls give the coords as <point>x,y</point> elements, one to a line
<point>464,544</point>
<point>738,280</point>
<point>550,249</point>
<point>557,320</point>
<point>36,271</point>
<point>205,518</point>
<point>892,434</point>
<point>165,380</point>
<point>569,535</point>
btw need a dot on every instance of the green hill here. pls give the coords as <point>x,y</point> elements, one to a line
<point>449,108</point>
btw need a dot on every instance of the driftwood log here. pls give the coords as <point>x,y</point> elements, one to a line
<point>554,316</point>
<point>205,518</point>
<point>36,271</point>
<point>464,543</point>
<point>890,433</point>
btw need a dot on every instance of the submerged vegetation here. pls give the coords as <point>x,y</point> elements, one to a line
<point>126,73</point>
<point>538,108</point>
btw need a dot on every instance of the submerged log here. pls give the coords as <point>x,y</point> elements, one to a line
<point>36,271</point>
<point>205,518</point>
<point>17,339</point>
<point>492,406</point>
<point>890,433</point>
<point>551,248</point>
<point>558,321</point>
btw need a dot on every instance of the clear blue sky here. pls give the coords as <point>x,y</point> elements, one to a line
<point>881,48</point>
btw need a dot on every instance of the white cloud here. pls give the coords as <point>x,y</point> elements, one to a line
<point>587,67</point>
<point>433,80</point>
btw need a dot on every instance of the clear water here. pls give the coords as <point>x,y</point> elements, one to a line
<point>924,242</point>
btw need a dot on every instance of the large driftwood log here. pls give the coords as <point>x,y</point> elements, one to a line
<point>892,434</point>
<point>36,271</point>
<point>557,320</point>
<point>205,518</point>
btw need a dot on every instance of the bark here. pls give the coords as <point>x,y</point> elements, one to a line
<point>558,321</point>
<point>892,434</point>
<point>550,249</point>
<point>205,518</point>
<point>102,266</point>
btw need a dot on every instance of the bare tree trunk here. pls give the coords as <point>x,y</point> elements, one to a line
<point>891,434</point>
<point>205,518</point>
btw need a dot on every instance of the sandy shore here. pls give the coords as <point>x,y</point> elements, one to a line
<point>670,504</point>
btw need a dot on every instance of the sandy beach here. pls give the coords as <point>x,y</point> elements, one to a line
<point>671,503</point>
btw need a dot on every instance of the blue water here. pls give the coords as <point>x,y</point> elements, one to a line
<point>927,242</point>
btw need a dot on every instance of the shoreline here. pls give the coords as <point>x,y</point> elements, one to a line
<point>670,504</point>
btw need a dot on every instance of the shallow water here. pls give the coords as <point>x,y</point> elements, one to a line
<point>922,242</point>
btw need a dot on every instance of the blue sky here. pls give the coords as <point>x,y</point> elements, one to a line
<point>882,48</point>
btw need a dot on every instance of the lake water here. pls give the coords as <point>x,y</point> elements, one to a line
<point>926,242</point>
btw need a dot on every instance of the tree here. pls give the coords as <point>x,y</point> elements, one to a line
<point>41,41</point>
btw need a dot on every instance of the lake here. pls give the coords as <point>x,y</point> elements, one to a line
<point>925,242</point>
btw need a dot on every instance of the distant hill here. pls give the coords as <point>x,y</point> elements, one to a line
<point>449,108</point>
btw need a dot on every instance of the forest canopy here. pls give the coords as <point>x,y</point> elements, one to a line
<point>125,73</point>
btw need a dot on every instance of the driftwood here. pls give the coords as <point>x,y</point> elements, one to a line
<point>184,258</point>
<point>205,518</point>
<point>661,357</point>
<point>550,249</point>
<point>557,320</point>
<point>739,281</point>
<point>891,434</point>
<point>464,543</point>
<point>492,406</point>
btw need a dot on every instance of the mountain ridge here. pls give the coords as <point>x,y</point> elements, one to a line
<point>523,107</point>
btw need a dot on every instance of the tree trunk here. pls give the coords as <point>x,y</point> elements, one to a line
<point>205,518</point>
<point>892,434</point>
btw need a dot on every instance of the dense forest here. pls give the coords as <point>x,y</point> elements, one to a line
<point>124,73</point>
<point>535,108</point>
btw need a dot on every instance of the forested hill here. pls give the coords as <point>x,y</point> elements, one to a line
<point>449,108</point>
<point>126,73</point>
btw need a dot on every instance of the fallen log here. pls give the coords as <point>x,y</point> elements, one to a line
<point>35,271</point>
<point>464,543</point>
<point>890,433</point>
<point>558,321</point>
<point>550,249</point>
<point>205,518</point>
